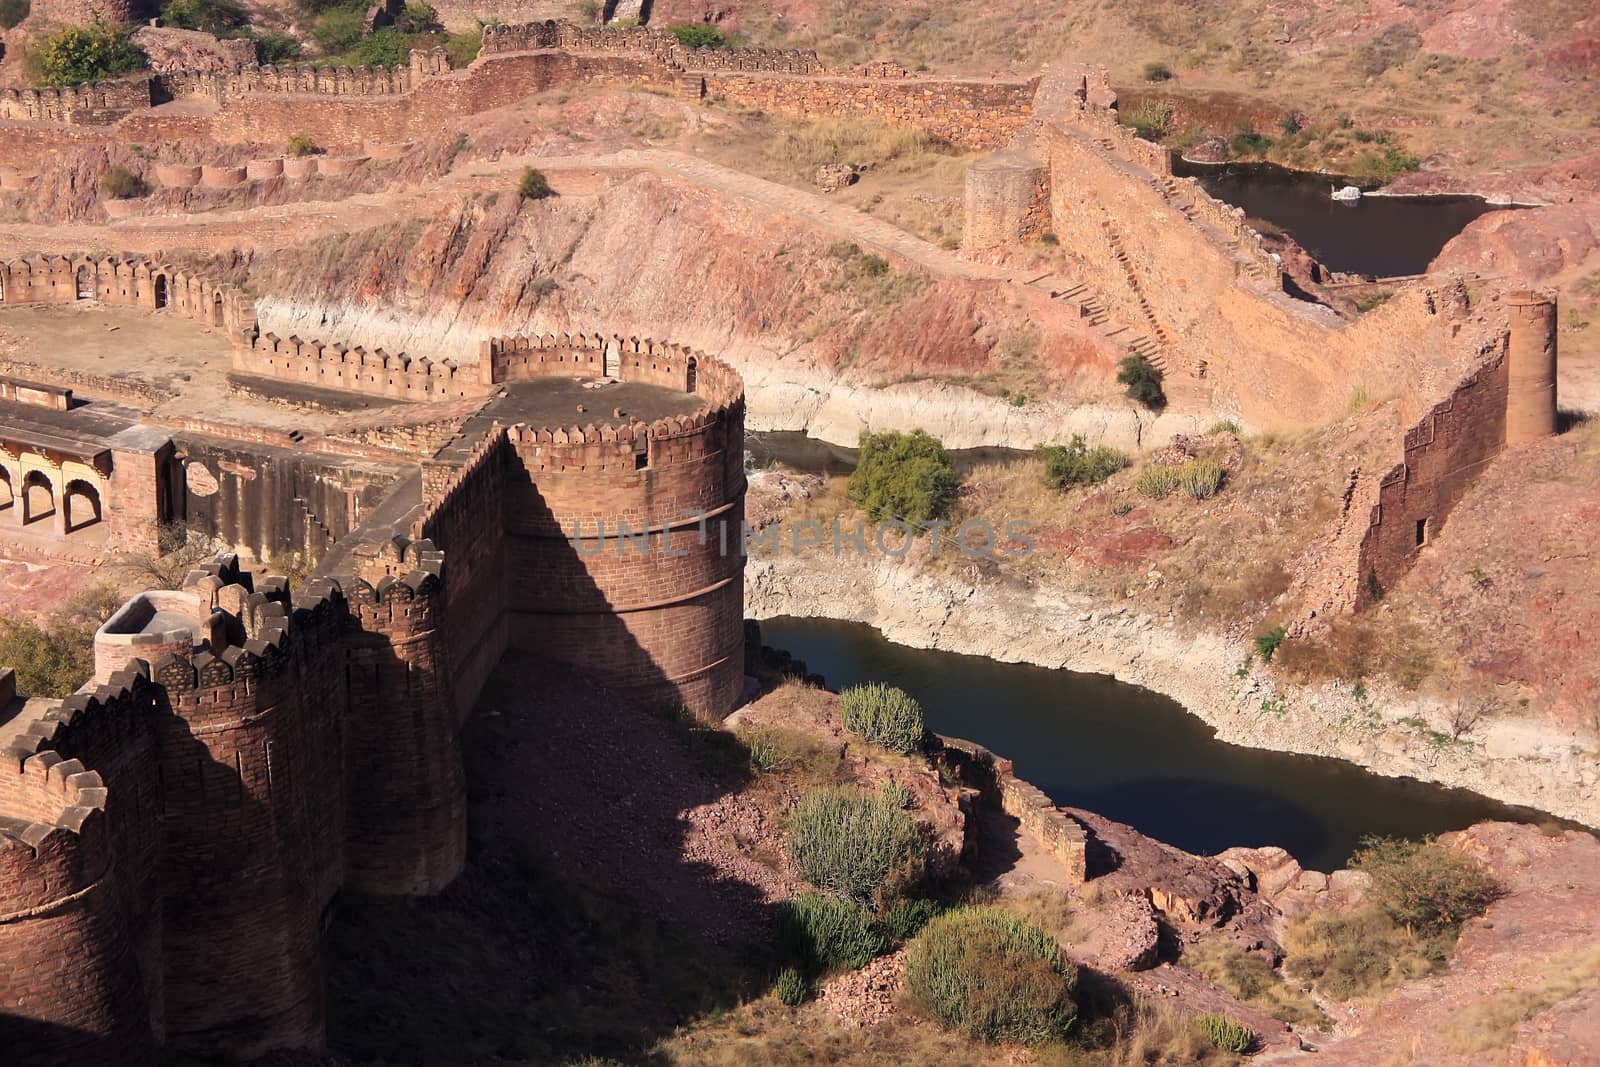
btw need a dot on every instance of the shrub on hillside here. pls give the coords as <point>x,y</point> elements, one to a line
<point>883,715</point>
<point>908,916</point>
<point>417,17</point>
<point>302,144</point>
<point>120,183</point>
<point>1200,478</point>
<point>1150,120</point>
<point>1358,954</point>
<point>903,476</point>
<point>533,185</point>
<point>81,54</point>
<point>792,988</point>
<point>388,47</point>
<point>338,29</point>
<point>212,16</point>
<point>50,660</point>
<point>13,12</point>
<point>1157,481</point>
<point>275,48</point>
<point>1075,463</point>
<point>992,976</point>
<point>821,935</point>
<point>1389,48</point>
<point>1227,1033</point>
<point>462,48</point>
<point>1157,72</point>
<point>697,35</point>
<point>1424,886</point>
<point>1142,380</point>
<point>860,846</point>
<point>1267,643</point>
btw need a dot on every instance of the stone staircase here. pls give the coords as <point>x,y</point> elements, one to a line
<point>1095,312</point>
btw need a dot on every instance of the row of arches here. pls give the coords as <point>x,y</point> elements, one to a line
<point>36,499</point>
<point>52,280</point>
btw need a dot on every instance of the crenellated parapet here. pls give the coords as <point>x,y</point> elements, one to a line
<point>301,79</point>
<point>93,103</point>
<point>353,369</point>
<point>133,281</point>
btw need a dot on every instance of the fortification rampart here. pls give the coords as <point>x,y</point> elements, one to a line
<point>286,748</point>
<point>356,370</point>
<point>91,104</point>
<point>130,281</point>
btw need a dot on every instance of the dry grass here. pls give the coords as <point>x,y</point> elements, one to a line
<point>1251,978</point>
<point>1492,1024</point>
<point>1362,646</point>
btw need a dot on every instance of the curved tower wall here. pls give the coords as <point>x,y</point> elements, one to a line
<point>1531,397</point>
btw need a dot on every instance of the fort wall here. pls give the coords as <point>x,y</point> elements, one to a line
<point>91,104</point>
<point>334,366</point>
<point>132,282</point>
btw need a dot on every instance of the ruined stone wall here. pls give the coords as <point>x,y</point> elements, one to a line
<point>1006,201</point>
<point>135,282</point>
<point>995,779</point>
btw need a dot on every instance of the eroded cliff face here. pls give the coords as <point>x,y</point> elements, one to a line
<point>830,338</point>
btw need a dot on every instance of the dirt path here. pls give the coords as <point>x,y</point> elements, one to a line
<point>283,225</point>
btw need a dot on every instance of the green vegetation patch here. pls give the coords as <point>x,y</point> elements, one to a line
<point>905,476</point>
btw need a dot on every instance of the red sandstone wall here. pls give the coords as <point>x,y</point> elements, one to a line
<point>133,282</point>
<point>375,373</point>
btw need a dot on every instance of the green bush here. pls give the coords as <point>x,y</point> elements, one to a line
<point>388,47</point>
<point>792,988</point>
<point>1247,142</point>
<point>1157,481</point>
<point>899,795</point>
<point>992,976</point>
<point>823,935</point>
<point>13,12</point>
<point>1226,426</point>
<point>883,715</point>
<point>1227,1034</point>
<point>1423,885</point>
<point>120,183</point>
<point>1150,120</point>
<point>1142,380</point>
<point>697,35</point>
<point>903,476</point>
<point>81,54</point>
<point>50,660</point>
<point>1267,643</point>
<point>857,845</point>
<point>1157,72</point>
<point>533,185</point>
<point>301,144</point>
<point>1076,463</point>
<point>1360,953</point>
<point>1200,478</point>
<point>462,48</point>
<point>212,16</point>
<point>908,916</point>
<point>338,29</point>
<point>275,48</point>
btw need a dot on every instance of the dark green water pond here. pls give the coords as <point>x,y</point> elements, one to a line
<point>1135,756</point>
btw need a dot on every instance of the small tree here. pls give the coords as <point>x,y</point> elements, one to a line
<point>992,976</point>
<point>883,715</point>
<point>1422,885</point>
<point>1075,463</point>
<point>909,477</point>
<point>417,17</point>
<point>302,144</point>
<point>275,48</point>
<point>1143,381</point>
<point>857,845</point>
<point>697,35</point>
<point>533,185</point>
<point>212,16</point>
<point>51,660</point>
<point>81,54</point>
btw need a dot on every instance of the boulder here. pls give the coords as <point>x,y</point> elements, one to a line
<point>831,177</point>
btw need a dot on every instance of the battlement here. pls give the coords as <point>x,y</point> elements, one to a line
<point>92,103</point>
<point>134,281</point>
<point>335,366</point>
<point>300,79</point>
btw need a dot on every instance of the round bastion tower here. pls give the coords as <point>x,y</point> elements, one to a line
<point>1531,367</point>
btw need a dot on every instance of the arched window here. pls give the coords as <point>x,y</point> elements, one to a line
<point>85,284</point>
<point>38,497</point>
<point>163,298</point>
<point>216,310</point>
<point>82,503</point>
<point>693,376</point>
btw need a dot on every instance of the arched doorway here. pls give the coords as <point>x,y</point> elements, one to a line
<point>693,377</point>
<point>85,284</point>
<point>216,310</point>
<point>8,492</point>
<point>82,503</point>
<point>613,364</point>
<point>38,497</point>
<point>163,299</point>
